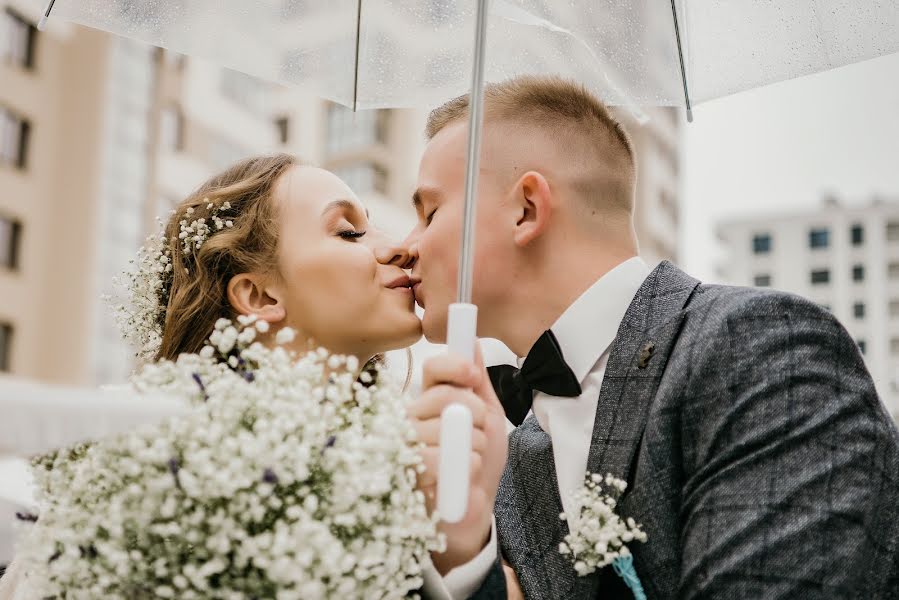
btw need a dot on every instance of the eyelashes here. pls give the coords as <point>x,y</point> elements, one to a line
<point>351,234</point>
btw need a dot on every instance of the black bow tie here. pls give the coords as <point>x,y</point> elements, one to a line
<point>544,370</point>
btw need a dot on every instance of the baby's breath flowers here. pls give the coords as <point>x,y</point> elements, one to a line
<point>289,478</point>
<point>147,285</point>
<point>601,535</point>
<point>193,233</point>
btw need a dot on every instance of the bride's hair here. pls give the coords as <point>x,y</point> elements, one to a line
<point>197,294</point>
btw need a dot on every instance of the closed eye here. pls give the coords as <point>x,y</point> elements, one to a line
<point>351,234</point>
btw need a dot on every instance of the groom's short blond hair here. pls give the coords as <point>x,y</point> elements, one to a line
<point>571,114</point>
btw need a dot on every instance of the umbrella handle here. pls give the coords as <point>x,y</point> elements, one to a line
<point>456,422</point>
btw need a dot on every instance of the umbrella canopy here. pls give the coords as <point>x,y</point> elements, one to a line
<point>395,53</point>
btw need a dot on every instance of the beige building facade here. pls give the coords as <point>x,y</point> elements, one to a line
<point>64,164</point>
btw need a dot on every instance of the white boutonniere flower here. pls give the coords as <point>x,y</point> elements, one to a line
<point>601,536</point>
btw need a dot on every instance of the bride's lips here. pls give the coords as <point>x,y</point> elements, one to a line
<point>402,283</point>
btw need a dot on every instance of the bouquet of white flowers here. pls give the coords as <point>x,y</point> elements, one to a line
<point>289,478</point>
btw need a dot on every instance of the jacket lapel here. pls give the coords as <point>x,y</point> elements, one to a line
<point>528,508</point>
<point>636,365</point>
<point>637,361</point>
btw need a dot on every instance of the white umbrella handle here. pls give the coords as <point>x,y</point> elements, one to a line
<point>456,423</point>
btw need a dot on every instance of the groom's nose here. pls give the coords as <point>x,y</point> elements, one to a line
<point>410,245</point>
<point>389,252</point>
<point>394,255</point>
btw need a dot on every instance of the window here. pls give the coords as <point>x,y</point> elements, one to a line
<point>5,346</point>
<point>10,236</point>
<point>762,281</point>
<point>761,243</point>
<point>858,310</point>
<point>14,134</point>
<point>893,271</point>
<point>819,238</point>
<point>246,91</point>
<point>172,59</point>
<point>858,273</point>
<point>857,233</point>
<point>862,346</point>
<point>350,131</point>
<point>364,178</point>
<point>17,38</point>
<point>820,276</point>
<point>282,128</point>
<point>893,231</point>
<point>894,308</point>
<point>172,129</point>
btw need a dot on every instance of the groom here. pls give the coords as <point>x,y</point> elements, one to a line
<point>758,457</point>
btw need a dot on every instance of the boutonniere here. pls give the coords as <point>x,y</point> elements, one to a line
<point>602,536</point>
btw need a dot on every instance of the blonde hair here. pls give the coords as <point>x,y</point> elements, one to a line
<point>197,293</point>
<point>564,109</point>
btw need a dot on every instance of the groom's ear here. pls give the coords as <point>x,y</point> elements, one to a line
<point>533,199</point>
<point>251,294</point>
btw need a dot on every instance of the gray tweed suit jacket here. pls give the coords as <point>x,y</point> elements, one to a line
<point>759,458</point>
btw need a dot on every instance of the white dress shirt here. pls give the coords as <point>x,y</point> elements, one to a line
<point>585,332</point>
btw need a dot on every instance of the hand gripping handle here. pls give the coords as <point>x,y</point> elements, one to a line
<point>456,423</point>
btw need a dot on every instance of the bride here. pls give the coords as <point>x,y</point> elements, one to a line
<point>298,251</point>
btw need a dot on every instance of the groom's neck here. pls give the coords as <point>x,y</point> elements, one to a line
<point>548,290</point>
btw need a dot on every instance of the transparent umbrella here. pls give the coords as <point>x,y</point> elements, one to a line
<point>395,53</point>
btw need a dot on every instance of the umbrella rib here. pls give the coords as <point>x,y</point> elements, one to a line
<point>683,69</point>
<point>356,64</point>
<point>43,22</point>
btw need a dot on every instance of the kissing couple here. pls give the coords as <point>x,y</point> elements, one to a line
<point>758,459</point>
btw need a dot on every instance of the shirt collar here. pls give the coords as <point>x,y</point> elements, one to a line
<point>588,327</point>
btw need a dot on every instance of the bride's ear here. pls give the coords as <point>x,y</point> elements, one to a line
<point>250,294</point>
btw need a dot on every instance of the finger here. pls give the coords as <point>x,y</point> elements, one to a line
<point>449,369</point>
<point>432,403</point>
<point>430,457</point>
<point>431,475</point>
<point>476,466</point>
<point>482,386</point>
<point>428,433</point>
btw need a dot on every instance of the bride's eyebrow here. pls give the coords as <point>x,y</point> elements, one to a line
<point>344,204</point>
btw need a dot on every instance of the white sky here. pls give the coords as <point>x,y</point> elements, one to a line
<point>780,148</point>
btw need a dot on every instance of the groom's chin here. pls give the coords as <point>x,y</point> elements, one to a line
<point>434,329</point>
